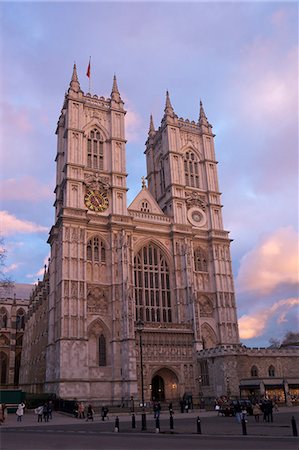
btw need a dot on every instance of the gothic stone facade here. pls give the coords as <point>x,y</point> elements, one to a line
<point>164,260</point>
<point>13,308</point>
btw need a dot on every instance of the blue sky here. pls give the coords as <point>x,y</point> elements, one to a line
<point>241,59</point>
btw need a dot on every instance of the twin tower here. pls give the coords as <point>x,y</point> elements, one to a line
<point>164,260</point>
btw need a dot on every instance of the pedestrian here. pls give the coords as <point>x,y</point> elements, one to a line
<point>81,411</point>
<point>39,412</point>
<point>90,413</point>
<point>256,411</point>
<point>182,406</point>
<point>244,413</point>
<point>1,414</point>
<point>50,409</point>
<point>238,411</point>
<point>46,412</point>
<point>20,411</point>
<point>269,408</point>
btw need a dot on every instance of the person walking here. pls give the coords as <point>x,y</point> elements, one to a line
<point>20,411</point>
<point>256,411</point>
<point>46,412</point>
<point>90,413</point>
<point>39,412</point>
<point>50,409</point>
<point>81,411</point>
<point>238,411</point>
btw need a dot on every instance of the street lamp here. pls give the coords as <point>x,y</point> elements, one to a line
<point>227,387</point>
<point>140,326</point>
<point>199,379</point>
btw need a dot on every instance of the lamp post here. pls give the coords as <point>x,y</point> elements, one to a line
<point>227,387</point>
<point>199,379</point>
<point>140,325</point>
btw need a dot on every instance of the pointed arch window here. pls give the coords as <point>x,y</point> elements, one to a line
<point>3,318</point>
<point>102,351</point>
<point>162,177</point>
<point>254,371</point>
<point>271,371</point>
<point>200,260</point>
<point>152,285</point>
<point>95,250</point>
<point>191,169</point>
<point>95,150</point>
<point>20,320</point>
<point>4,368</point>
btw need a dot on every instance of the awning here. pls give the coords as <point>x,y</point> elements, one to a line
<point>250,383</point>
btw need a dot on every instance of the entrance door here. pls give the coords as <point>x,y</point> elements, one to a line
<point>158,392</point>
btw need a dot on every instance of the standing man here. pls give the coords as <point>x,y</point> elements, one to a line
<point>20,411</point>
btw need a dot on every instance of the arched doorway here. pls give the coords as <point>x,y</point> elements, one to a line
<point>164,386</point>
<point>158,392</point>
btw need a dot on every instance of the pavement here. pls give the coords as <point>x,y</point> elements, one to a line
<point>210,423</point>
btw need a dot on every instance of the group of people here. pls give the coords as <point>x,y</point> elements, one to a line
<point>265,409</point>
<point>80,411</point>
<point>44,411</point>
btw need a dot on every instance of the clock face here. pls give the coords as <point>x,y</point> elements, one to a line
<point>96,201</point>
<point>197,217</point>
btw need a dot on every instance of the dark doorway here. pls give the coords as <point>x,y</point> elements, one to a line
<point>158,393</point>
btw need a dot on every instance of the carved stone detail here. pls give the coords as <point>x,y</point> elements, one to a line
<point>97,299</point>
<point>195,199</point>
<point>96,182</point>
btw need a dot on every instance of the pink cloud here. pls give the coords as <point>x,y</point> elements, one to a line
<point>24,188</point>
<point>17,118</point>
<point>253,325</point>
<point>133,122</point>
<point>274,261</point>
<point>11,225</point>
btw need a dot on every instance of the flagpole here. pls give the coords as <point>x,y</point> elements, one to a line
<point>89,76</point>
<point>88,73</point>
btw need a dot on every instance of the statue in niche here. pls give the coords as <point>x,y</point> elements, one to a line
<point>195,199</point>
<point>205,307</point>
<point>97,300</point>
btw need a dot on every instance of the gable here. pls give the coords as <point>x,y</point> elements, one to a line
<point>145,202</point>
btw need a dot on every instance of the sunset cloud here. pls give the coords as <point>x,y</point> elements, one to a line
<point>133,122</point>
<point>253,325</point>
<point>273,262</point>
<point>9,224</point>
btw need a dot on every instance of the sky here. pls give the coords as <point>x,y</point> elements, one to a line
<point>239,58</point>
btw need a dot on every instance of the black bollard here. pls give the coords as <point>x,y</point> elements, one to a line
<point>116,426</point>
<point>133,421</point>
<point>143,421</point>
<point>157,425</point>
<point>171,421</point>
<point>244,429</point>
<point>198,424</point>
<point>294,426</point>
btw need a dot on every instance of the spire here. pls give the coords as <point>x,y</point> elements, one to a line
<point>152,130</point>
<point>115,92</point>
<point>74,84</point>
<point>202,115</point>
<point>168,106</point>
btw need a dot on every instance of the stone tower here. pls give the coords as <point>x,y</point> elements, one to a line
<point>88,273</point>
<point>182,177</point>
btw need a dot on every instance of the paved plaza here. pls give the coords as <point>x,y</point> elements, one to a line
<point>66,432</point>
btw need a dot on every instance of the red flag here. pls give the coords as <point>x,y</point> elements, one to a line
<point>88,70</point>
